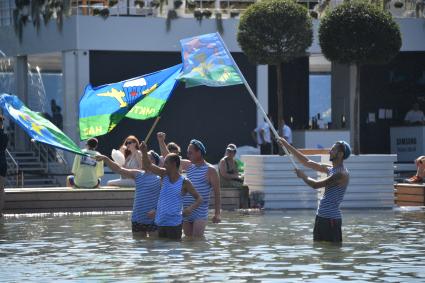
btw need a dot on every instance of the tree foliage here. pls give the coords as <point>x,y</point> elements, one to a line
<point>359,33</point>
<point>275,31</point>
<point>38,11</point>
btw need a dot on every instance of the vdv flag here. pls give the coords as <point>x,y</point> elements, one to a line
<point>103,107</point>
<point>206,61</point>
<point>37,127</point>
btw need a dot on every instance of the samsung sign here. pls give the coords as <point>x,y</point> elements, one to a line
<point>407,142</point>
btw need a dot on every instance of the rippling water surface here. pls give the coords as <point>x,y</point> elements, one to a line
<point>379,246</point>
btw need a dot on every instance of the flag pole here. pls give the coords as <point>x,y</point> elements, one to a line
<point>256,101</point>
<point>151,130</point>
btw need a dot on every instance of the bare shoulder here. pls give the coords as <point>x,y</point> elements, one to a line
<point>187,185</point>
<point>211,168</point>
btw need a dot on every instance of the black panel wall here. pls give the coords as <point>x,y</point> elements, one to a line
<point>295,78</point>
<point>393,86</point>
<point>216,116</point>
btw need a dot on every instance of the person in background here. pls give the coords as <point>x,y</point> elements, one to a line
<point>415,115</point>
<point>3,164</point>
<point>230,176</point>
<point>87,171</point>
<point>227,169</point>
<point>56,117</point>
<point>262,137</point>
<point>286,132</point>
<point>169,213</point>
<point>420,171</point>
<point>133,160</point>
<point>171,147</point>
<point>327,226</point>
<point>146,194</point>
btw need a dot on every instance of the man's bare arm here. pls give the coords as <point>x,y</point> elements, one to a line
<point>162,146</point>
<point>188,188</point>
<point>147,164</point>
<point>128,173</point>
<point>215,184</point>
<point>334,180</point>
<point>302,158</point>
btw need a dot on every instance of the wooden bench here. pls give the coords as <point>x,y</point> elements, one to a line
<point>409,194</point>
<point>229,199</point>
<point>61,199</point>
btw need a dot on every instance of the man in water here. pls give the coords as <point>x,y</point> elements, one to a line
<point>169,213</point>
<point>146,194</point>
<point>204,178</point>
<point>327,226</point>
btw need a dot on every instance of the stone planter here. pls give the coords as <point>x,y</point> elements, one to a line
<point>274,175</point>
<point>371,181</point>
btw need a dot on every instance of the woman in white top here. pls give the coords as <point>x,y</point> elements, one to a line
<point>133,160</point>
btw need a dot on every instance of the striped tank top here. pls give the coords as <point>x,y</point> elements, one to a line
<point>333,196</point>
<point>170,204</point>
<point>146,197</point>
<point>198,175</point>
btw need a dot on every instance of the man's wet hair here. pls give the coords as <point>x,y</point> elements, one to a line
<point>174,158</point>
<point>92,143</point>
<point>173,147</point>
<point>345,148</point>
<point>155,156</point>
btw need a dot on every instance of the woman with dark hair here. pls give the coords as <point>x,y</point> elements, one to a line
<point>133,160</point>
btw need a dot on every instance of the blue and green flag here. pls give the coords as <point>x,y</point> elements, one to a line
<point>103,107</point>
<point>207,61</point>
<point>37,127</point>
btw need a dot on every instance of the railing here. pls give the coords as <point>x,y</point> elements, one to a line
<point>42,153</point>
<point>6,12</point>
<point>47,154</point>
<point>196,8</point>
<point>19,174</point>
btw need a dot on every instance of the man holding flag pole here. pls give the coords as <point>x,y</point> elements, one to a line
<point>207,61</point>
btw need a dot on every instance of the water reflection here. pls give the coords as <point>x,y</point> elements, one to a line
<point>379,245</point>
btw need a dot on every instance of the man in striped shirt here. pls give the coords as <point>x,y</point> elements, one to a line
<point>174,188</point>
<point>327,226</point>
<point>204,178</point>
<point>146,194</point>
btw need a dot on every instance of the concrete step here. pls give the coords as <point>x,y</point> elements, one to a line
<point>23,157</point>
<point>30,163</point>
<point>23,154</point>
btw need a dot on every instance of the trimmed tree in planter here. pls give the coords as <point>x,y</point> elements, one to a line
<point>358,33</point>
<point>275,32</point>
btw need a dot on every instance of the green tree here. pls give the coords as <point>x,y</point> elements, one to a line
<point>38,11</point>
<point>358,33</point>
<point>274,32</point>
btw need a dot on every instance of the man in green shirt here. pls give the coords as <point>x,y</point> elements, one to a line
<point>86,170</point>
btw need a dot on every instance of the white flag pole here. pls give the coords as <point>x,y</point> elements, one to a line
<point>256,100</point>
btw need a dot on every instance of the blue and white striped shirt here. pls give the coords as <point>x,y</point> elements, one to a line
<point>198,176</point>
<point>169,211</point>
<point>333,196</point>
<point>146,197</point>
